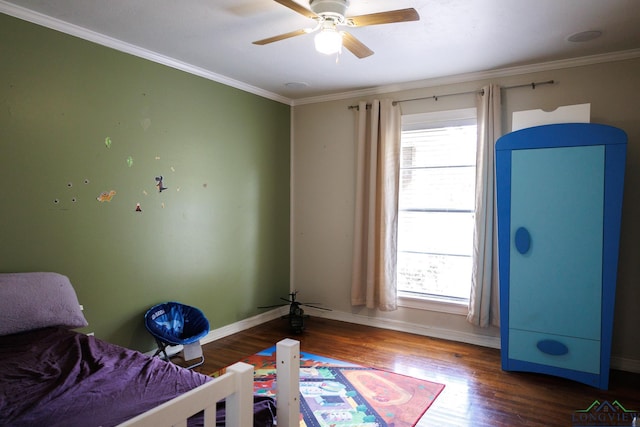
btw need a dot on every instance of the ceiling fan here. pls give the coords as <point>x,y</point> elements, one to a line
<point>331,14</point>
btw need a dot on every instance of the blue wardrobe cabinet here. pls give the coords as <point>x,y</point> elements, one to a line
<point>559,201</point>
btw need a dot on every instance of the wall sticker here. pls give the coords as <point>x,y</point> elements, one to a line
<point>160,183</point>
<point>106,196</point>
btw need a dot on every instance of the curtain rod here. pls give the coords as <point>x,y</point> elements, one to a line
<point>532,85</point>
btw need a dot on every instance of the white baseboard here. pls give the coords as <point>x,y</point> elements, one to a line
<point>619,363</point>
<point>425,330</point>
<point>625,364</point>
<point>242,325</point>
<point>227,330</point>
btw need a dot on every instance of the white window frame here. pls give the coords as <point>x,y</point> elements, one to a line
<point>418,121</point>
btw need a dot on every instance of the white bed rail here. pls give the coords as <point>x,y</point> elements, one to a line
<point>288,382</point>
<point>236,386</point>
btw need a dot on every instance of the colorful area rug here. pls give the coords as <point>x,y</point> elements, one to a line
<point>341,394</point>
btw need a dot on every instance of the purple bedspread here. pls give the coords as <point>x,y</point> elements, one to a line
<point>56,377</point>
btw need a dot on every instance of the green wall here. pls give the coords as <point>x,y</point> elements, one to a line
<point>216,238</point>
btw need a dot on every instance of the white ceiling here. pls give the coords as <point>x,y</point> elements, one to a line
<point>214,38</point>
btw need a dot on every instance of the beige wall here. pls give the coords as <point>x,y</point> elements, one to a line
<point>323,193</point>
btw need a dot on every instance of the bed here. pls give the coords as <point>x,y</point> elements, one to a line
<point>51,375</point>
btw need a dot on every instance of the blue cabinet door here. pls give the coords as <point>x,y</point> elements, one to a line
<point>557,196</point>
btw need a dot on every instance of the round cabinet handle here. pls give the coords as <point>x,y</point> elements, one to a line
<point>523,240</point>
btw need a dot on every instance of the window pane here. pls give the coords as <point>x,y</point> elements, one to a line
<point>434,274</point>
<point>439,188</point>
<point>436,204</point>
<point>454,146</point>
<point>435,233</point>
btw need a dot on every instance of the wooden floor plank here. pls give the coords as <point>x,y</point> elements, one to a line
<point>477,392</point>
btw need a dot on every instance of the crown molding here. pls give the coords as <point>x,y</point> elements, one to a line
<point>101,39</point>
<point>476,76</point>
<point>113,43</point>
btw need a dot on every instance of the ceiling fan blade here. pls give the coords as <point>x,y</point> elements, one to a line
<point>355,46</point>
<point>400,15</point>
<point>297,8</point>
<point>281,37</point>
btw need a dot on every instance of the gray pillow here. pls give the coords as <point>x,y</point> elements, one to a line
<point>37,300</point>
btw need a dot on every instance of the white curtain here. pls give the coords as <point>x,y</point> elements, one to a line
<point>376,218</point>
<point>484,298</point>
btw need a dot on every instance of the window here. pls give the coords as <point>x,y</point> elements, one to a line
<point>436,204</point>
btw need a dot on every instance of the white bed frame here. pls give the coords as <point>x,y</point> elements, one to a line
<point>236,386</point>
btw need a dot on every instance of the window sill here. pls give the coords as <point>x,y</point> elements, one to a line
<point>433,304</point>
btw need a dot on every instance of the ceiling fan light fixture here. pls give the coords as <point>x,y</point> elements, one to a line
<point>331,14</point>
<point>328,41</point>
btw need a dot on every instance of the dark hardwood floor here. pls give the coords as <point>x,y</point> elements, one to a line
<point>477,392</point>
